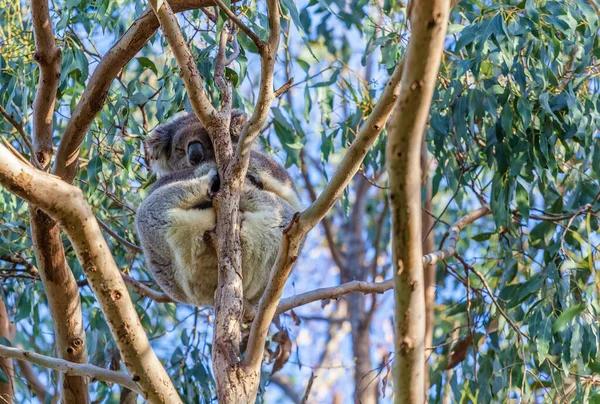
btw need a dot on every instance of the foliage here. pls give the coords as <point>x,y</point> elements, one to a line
<point>513,124</point>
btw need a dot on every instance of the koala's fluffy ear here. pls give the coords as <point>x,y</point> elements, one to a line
<point>159,144</point>
<point>238,120</point>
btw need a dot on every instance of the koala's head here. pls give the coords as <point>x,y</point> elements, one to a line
<point>184,143</point>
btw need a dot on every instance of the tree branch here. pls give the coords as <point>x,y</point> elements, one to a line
<point>19,128</point>
<point>48,57</point>
<point>266,93</point>
<point>92,99</point>
<point>71,368</point>
<point>292,237</point>
<point>185,60</point>
<point>59,283</point>
<point>32,380</point>
<point>67,206</point>
<point>429,19</point>
<point>335,292</point>
<point>257,41</point>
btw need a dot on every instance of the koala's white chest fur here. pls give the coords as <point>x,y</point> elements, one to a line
<point>196,261</point>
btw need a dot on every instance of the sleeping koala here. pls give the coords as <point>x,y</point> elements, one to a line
<point>173,219</point>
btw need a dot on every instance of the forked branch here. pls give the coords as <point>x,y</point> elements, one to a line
<point>290,245</point>
<point>66,204</point>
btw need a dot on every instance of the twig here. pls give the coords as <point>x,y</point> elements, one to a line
<point>288,84</point>
<point>10,118</point>
<point>260,44</point>
<point>129,245</point>
<point>71,368</point>
<point>490,294</point>
<point>308,388</point>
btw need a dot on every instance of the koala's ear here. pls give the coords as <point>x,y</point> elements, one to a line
<point>238,120</point>
<point>159,144</point>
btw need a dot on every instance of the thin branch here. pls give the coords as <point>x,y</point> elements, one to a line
<point>288,84</point>
<point>491,295</point>
<point>308,388</point>
<point>48,57</point>
<point>146,291</point>
<point>452,236</point>
<point>223,84</point>
<point>19,127</point>
<point>92,99</point>
<point>71,368</point>
<point>190,75</point>
<point>141,289</point>
<point>257,41</point>
<point>32,380</point>
<point>299,227</point>
<point>67,205</point>
<point>127,244</point>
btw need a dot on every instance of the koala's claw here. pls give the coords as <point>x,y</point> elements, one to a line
<point>214,183</point>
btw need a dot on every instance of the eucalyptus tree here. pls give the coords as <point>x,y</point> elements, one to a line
<point>496,275</point>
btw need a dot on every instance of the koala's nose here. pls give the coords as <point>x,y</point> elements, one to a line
<point>215,183</point>
<point>195,154</point>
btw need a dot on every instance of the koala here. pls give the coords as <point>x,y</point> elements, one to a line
<point>174,219</point>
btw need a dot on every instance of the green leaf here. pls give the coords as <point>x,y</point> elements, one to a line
<point>93,170</point>
<point>569,314</point>
<point>543,338</point>
<point>147,63</point>
<point>290,5</point>
<point>523,201</point>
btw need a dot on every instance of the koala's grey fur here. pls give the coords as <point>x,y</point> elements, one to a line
<point>173,219</point>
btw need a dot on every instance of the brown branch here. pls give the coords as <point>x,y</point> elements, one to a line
<point>141,289</point>
<point>336,254</point>
<point>292,238</point>
<point>92,99</point>
<point>7,330</point>
<point>59,283</point>
<point>68,207</point>
<point>32,380</point>
<point>19,260</point>
<point>127,244</point>
<point>185,60</point>
<point>288,84</point>
<point>146,291</point>
<point>71,368</point>
<point>429,19</point>
<point>266,94</point>
<point>48,57</point>
<point>19,128</point>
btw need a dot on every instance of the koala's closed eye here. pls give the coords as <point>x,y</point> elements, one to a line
<point>255,180</point>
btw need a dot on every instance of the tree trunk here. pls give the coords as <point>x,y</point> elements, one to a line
<point>428,19</point>
<point>63,302</point>
<point>428,270</point>
<point>6,365</point>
